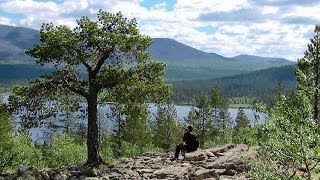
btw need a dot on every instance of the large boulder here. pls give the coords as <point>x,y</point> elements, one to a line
<point>204,173</point>
<point>234,160</point>
<point>199,155</point>
<point>171,172</point>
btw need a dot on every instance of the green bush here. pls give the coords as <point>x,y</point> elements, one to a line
<point>107,154</point>
<point>291,140</point>
<point>209,144</point>
<point>65,152</point>
<point>130,150</point>
<point>152,148</point>
<point>19,150</point>
<point>245,135</point>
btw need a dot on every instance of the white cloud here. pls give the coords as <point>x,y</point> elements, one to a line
<point>270,10</point>
<point>6,21</point>
<point>274,29</point>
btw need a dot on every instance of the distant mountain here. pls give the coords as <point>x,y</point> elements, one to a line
<point>166,49</point>
<point>183,62</point>
<point>258,59</point>
<point>21,72</point>
<point>13,43</point>
<point>258,84</point>
<point>187,63</point>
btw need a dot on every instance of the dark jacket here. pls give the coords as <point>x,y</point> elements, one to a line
<point>191,140</point>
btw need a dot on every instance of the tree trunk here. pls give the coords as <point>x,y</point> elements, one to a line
<point>316,96</point>
<point>93,132</point>
<point>315,106</point>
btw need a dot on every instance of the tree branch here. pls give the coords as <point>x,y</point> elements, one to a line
<point>76,90</point>
<point>79,52</point>
<point>101,61</point>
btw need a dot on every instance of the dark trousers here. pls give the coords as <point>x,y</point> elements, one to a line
<point>180,147</point>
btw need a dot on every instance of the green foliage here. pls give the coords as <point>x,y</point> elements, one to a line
<point>249,87</point>
<point>289,143</point>
<point>210,118</point>
<point>136,125</point>
<point>308,72</point>
<point>106,147</point>
<point>6,155</point>
<point>225,137</point>
<point>245,135</point>
<point>130,150</point>
<point>243,132</point>
<point>16,150</point>
<point>291,137</point>
<point>26,152</point>
<point>6,125</point>
<point>205,122</point>
<point>266,168</point>
<point>166,133</point>
<point>112,52</point>
<point>242,120</point>
<point>19,150</point>
<point>65,152</point>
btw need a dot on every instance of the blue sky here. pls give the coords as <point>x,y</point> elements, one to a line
<point>271,28</point>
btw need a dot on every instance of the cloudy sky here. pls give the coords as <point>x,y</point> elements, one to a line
<point>271,28</point>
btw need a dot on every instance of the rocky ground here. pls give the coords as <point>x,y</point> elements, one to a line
<point>224,162</point>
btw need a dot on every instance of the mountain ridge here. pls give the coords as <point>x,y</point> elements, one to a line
<point>257,59</point>
<point>183,61</point>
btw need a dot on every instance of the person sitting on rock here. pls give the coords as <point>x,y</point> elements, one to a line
<point>190,143</point>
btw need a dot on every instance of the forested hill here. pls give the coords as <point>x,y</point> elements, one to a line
<point>258,59</point>
<point>21,72</point>
<point>258,84</point>
<point>14,41</point>
<point>170,50</point>
<point>183,62</point>
<point>187,63</point>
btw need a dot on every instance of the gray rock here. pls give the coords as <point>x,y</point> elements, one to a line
<point>175,172</point>
<point>233,178</point>
<point>198,155</point>
<point>90,172</point>
<point>142,171</point>
<point>204,173</point>
<point>22,169</point>
<point>221,149</point>
<point>131,173</point>
<point>92,178</point>
<point>224,162</point>
<point>209,154</point>
<point>212,159</point>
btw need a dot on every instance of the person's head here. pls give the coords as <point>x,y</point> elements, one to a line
<point>189,128</point>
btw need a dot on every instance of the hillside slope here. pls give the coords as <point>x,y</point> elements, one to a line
<point>258,59</point>
<point>223,162</point>
<point>259,84</point>
<point>14,41</point>
<point>183,62</point>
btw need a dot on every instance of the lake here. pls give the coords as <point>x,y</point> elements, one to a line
<point>182,112</point>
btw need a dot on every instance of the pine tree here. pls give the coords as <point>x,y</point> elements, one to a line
<point>242,120</point>
<point>112,52</point>
<point>308,72</point>
<point>165,127</point>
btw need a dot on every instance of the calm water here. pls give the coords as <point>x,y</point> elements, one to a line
<point>182,112</point>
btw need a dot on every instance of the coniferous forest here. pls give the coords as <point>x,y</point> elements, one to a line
<point>106,62</point>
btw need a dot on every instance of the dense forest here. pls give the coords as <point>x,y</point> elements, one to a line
<point>257,86</point>
<point>120,72</point>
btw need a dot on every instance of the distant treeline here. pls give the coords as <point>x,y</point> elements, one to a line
<point>244,88</point>
<point>20,72</point>
<point>12,74</point>
<point>258,85</point>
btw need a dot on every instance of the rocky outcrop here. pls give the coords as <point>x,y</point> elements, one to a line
<point>224,162</point>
